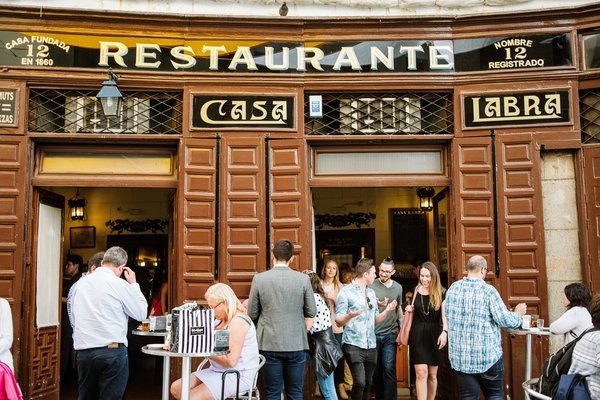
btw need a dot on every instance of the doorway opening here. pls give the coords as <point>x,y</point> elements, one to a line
<point>140,220</point>
<point>355,222</point>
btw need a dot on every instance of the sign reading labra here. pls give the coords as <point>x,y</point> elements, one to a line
<point>8,107</point>
<point>243,112</point>
<point>47,50</point>
<point>517,109</point>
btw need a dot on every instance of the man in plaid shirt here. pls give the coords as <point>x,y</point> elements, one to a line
<point>475,313</point>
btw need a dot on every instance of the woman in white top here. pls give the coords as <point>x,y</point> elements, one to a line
<point>6,333</point>
<point>577,318</point>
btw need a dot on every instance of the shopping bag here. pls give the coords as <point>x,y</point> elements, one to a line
<point>402,338</point>
<point>192,329</point>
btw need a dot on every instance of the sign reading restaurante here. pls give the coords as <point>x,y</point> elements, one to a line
<point>45,50</point>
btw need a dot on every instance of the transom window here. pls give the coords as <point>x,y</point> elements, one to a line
<point>383,114</point>
<point>78,111</point>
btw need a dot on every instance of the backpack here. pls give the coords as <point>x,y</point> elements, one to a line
<point>572,387</point>
<point>556,365</point>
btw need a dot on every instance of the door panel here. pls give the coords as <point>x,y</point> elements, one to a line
<point>197,233</point>
<point>289,208</point>
<point>242,224</point>
<point>43,327</point>
<point>12,237</point>
<point>591,187</point>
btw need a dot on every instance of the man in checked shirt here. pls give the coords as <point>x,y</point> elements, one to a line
<point>475,313</point>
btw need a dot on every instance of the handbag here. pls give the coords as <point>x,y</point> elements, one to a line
<point>192,329</point>
<point>402,338</point>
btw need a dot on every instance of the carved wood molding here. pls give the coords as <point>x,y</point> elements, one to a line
<point>154,225</point>
<point>341,220</point>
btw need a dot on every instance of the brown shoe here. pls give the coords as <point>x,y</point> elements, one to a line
<point>342,392</point>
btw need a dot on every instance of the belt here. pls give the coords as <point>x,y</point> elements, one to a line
<point>113,345</point>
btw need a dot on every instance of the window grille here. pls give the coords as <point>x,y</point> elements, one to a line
<point>589,105</point>
<point>383,114</point>
<point>78,111</point>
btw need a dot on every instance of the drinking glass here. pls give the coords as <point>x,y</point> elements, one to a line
<point>534,320</point>
<point>540,323</point>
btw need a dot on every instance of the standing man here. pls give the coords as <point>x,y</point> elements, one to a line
<point>357,311</point>
<point>281,300</point>
<point>101,307</point>
<point>474,314</point>
<point>72,273</point>
<point>387,290</point>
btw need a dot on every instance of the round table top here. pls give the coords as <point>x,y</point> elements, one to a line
<point>159,351</point>
<point>532,331</point>
<point>140,332</point>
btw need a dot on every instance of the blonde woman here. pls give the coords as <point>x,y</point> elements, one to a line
<point>428,333</point>
<point>243,349</point>
<point>330,275</point>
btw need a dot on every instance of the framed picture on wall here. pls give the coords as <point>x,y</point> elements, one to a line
<point>83,237</point>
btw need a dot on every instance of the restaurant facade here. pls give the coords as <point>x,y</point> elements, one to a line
<point>234,133</point>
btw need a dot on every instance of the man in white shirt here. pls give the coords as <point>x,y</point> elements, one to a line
<point>102,305</point>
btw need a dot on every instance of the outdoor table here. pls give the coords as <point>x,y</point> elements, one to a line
<point>166,360</point>
<point>528,333</point>
<point>185,367</point>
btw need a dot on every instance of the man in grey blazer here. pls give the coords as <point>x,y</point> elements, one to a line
<point>281,301</point>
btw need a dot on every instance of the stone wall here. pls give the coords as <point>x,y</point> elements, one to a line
<point>563,259</point>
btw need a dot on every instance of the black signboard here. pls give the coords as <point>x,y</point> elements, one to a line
<point>517,109</point>
<point>220,112</point>
<point>8,107</point>
<point>178,54</point>
<point>517,52</point>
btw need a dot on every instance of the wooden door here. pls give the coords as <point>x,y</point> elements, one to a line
<point>591,192</point>
<point>42,319</point>
<point>289,211</point>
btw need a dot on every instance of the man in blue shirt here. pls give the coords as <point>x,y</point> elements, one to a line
<point>356,310</point>
<point>475,313</point>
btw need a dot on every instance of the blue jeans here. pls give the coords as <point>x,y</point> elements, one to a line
<point>103,373</point>
<point>385,373</point>
<point>284,369</point>
<point>362,363</point>
<point>489,382</point>
<point>327,387</point>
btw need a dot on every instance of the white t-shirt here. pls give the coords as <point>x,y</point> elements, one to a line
<point>572,323</point>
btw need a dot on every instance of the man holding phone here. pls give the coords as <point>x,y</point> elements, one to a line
<point>101,308</point>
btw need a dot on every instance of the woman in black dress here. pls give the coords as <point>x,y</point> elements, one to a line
<point>428,333</point>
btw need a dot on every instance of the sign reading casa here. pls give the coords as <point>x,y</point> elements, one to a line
<point>180,54</point>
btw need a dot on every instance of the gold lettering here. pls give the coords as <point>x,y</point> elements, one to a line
<point>347,56</point>
<point>116,50</point>
<point>411,52</point>
<point>552,105</point>
<point>178,53</point>
<point>532,103</point>
<point>492,107</point>
<point>377,55</point>
<point>238,110</point>
<point>270,62</point>
<point>510,106</point>
<point>315,59</point>
<point>214,55</point>
<point>258,105</point>
<point>243,56</point>
<point>141,54</point>
<point>440,53</point>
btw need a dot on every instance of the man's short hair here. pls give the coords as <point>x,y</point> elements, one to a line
<point>115,256</point>
<point>75,259</point>
<point>363,265</point>
<point>96,259</point>
<point>476,263</point>
<point>283,250</point>
<point>388,261</point>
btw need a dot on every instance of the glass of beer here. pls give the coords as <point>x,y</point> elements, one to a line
<point>146,325</point>
<point>534,320</point>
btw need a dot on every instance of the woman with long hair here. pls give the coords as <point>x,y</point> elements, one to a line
<point>324,349</point>
<point>428,333</point>
<point>330,275</point>
<point>243,349</point>
<point>577,318</point>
